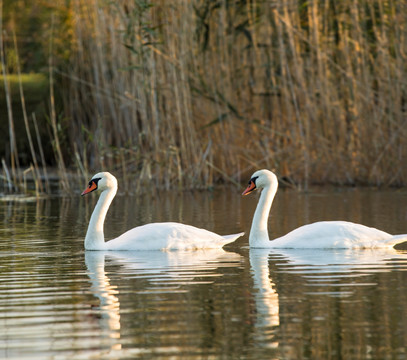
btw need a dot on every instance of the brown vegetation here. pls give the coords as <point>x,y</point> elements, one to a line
<point>188,93</point>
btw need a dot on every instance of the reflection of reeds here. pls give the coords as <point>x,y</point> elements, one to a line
<point>180,93</point>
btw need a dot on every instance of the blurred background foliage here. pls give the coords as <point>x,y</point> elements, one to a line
<point>193,93</point>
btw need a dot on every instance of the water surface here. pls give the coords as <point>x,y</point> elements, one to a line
<point>58,301</point>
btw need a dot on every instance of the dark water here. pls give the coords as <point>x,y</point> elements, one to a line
<point>59,302</point>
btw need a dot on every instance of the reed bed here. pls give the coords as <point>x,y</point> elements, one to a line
<point>188,94</point>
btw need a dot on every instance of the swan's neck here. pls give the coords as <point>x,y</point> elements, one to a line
<point>259,236</point>
<point>95,239</point>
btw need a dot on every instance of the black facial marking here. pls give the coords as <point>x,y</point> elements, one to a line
<point>95,180</point>
<point>253,179</point>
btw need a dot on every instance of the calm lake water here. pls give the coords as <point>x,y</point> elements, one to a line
<point>59,302</point>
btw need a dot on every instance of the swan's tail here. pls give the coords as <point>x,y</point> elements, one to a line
<point>230,238</point>
<point>396,239</point>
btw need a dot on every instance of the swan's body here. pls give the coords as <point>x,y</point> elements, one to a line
<point>323,234</point>
<point>154,236</point>
<point>335,234</point>
<point>167,236</point>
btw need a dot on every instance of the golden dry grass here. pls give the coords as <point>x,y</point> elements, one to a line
<point>188,93</point>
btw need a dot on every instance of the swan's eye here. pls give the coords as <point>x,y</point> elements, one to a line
<point>95,181</point>
<point>253,180</point>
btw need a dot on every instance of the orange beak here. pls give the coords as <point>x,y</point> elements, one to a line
<point>92,186</point>
<point>250,188</point>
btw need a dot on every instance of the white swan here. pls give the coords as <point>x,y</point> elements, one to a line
<point>154,236</point>
<point>323,234</point>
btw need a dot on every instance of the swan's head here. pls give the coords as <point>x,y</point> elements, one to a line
<point>101,181</point>
<point>261,179</point>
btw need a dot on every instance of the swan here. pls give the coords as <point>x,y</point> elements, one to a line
<point>154,236</point>
<point>322,234</point>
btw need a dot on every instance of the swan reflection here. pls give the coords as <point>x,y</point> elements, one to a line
<point>339,260</point>
<point>302,289</point>
<point>175,268</point>
<point>316,271</point>
<point>107,295</point>
<point>267,305</point>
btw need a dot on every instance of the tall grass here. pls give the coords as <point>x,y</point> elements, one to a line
<point>189,93</point>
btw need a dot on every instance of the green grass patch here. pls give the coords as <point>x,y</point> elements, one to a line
<point>35,87</point>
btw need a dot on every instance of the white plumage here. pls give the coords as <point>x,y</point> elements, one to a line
<point>154,236</point>
<point>323,234</point>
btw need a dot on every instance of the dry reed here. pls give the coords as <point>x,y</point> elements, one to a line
<point>181,93</point>
<point>12,140</point>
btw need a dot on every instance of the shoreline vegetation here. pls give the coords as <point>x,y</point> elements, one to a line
<point>191,94</point>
